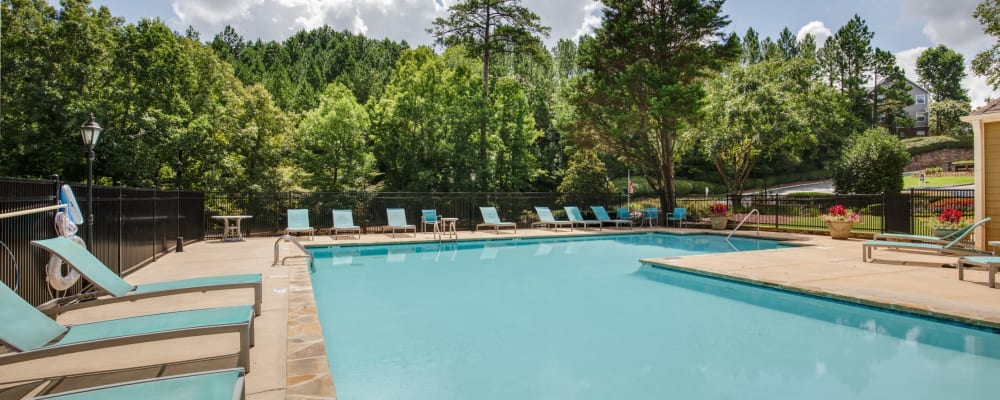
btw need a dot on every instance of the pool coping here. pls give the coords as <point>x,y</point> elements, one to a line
<point>906,309</point>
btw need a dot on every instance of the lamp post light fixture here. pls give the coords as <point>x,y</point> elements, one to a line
<point>90,131</point>
<point>472,175</point>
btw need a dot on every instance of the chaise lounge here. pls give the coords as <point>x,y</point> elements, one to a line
<point>491,219</point>
<point>546,219</point>
<point>35,335</point>
<point>119,290</point>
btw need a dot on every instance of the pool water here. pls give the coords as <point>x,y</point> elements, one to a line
<point>583,319</point>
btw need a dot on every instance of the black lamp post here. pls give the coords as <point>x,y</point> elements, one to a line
<point>90,131</point>
<point>472,175</point>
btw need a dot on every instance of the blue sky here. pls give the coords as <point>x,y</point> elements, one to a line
<point>904,27</point>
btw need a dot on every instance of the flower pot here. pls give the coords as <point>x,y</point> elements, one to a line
<point>719,222</point>
<point>942,232</point>
<point>840,229</point>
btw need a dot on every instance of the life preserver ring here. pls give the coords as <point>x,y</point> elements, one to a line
<point>54,270</point>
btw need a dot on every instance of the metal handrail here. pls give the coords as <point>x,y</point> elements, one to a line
<point>752,212</point>
<point>296,243</point>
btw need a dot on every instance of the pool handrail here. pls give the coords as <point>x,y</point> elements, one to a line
<point>297,244</point>
<point>752,212</point>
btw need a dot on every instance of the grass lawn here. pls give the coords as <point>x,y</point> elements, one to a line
<point>913,181</point>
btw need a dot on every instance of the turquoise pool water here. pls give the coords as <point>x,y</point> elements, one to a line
<point>583,319</point>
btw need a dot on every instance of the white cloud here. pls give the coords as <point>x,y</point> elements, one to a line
<point>279,19</point>
<point>948,22</point>
<point>816,28</point>
<point>979,90</point>
<point>907,60</point>
<point>591,20</point>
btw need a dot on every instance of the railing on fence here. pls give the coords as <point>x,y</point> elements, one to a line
<point>269,209</point>
<point>132,227</point>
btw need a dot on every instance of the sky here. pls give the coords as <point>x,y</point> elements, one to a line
<point>904,27</point>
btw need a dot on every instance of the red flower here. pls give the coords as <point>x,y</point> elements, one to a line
<point>718,209</point>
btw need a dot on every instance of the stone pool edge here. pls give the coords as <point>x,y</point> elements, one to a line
<point>914,309</point>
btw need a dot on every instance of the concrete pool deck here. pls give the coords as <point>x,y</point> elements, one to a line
<point>289,359</point>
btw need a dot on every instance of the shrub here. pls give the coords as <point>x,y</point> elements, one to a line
<point>872,162</point>
<point>930,143</point>
<point>961,203</point>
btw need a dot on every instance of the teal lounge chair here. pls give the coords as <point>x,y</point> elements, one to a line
<point>33,335</point>
<point>119,290</point>
<point>577,218</point>
<point>546,219</point>
<point>602,215</point>
<point>650,216</point>
<point>430,217</point>
<point>901,237</point>
<point>989,262</point>
<point>491,219</point>
<point>343,220</point>
<point>210,385</point>
<point>679,217</point>
<point>952,247</point>
<point>624,213</point>
<point>298,222</point>
<point>397,221</point>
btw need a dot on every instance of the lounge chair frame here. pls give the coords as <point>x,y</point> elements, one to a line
<point>901,237</point>
<point>397,221</point>
<point>602,215</point>
<point>16,307</point>
<point>991,263</point>
<point>951,248</point>
<point>146,385</point>
<point>297,215</point>
<point>491,219</point>
<point>576,217</point>
<point>546,219</point>
<point>111,288</point>
<point>345,223</point>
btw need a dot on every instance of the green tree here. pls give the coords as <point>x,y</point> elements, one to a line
<point>487,27</point>
<point>753,111</point>
<point>941,71</point>
<point>872,162</point>
<point>752,50</point>
<point>54,72</point>
<point>987,62</point>
<point>333,137</point>
<point>422,127</point>
<point>891,96</point>
<point>585,173</point>
<point>943,117</point>
<point>846,60</point>
<point>646,63</point>
<point>766,118</point>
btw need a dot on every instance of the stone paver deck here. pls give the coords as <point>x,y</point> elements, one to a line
<point>289,359</point>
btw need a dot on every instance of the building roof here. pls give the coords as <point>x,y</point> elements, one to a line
<point>989,108</point>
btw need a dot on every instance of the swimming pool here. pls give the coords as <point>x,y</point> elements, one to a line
<point>568,318</point>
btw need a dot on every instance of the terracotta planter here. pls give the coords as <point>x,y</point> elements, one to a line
<point>942,232</point>
<point>719,222</point>
<point>840,229</point>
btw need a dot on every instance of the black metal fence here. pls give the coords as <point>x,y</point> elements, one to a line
<point>907,212</point>
<point>269,210</point>
<point>132,227</point>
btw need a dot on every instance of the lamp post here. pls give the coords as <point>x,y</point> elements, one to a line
<point>472,175</point>
<point>90,131</point>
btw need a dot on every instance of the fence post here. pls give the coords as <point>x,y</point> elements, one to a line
<point>154,222</point>
<point>121,225</point>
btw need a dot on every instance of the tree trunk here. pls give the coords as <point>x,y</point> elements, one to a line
<point>486,88</point>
